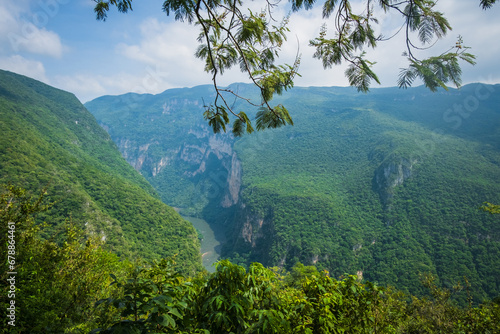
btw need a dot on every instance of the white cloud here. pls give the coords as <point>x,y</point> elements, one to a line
<point>162,41</point>
<point>305,26</point>
<point>22,30</point>
<point>38,41</point>
<point>20,65</point>
<point>480,30</point>
<point>88,86</point>
<point>84,86</point>
<point>7,20</point>
<point>168,48</point>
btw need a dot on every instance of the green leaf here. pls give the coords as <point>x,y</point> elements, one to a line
<point>487,3</point>
<point>167,321</point>
<point>360,74</point>
<point>175,312</point>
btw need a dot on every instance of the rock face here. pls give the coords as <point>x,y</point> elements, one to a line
<point>233,183</point>
<point>207,161</point>
<point>167,140</point>
<point>390,174</point>
<point>251,233</point>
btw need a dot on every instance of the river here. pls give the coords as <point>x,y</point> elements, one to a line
<point>210,245</point>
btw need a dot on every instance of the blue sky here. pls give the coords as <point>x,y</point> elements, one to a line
<point>61,43</point>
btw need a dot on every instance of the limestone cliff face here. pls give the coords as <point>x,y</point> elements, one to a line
<point>391,174</point>
<point>138,155</point>
<point>251,233</point>
<point>207,160</point>
<point>233,183</point>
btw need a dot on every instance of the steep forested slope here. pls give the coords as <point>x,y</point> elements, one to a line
<point>385,185</point>
<point>376,184</point>
<point>49,140</point>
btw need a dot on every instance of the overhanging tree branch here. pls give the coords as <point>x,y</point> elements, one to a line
<point>232,37</point>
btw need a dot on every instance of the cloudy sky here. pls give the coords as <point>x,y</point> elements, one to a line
<point>60,43</point>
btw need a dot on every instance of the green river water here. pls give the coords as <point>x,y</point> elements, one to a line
<point>211,243</point>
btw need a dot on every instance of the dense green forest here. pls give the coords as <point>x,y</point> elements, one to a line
<point>385,185</point>
<point>78,287</point>
<point>50,141</point>
<point>374,194</point>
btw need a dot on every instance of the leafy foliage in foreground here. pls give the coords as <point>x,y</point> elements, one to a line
<point>56,283</point>
<point>65,288</point>
<point>261,300</point>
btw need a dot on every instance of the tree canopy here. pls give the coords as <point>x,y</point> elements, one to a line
<point>231,36</point>
<point>63,287</point>
<point>494,209</point>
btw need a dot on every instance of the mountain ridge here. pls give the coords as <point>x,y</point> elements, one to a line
<point>50,141</point>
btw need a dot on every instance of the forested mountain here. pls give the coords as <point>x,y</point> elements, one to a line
<point>385,185</point>
<point>50,141</point>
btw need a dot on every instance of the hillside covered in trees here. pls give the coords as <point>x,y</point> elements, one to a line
<point>50,141</point>
<point>385,185</point>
